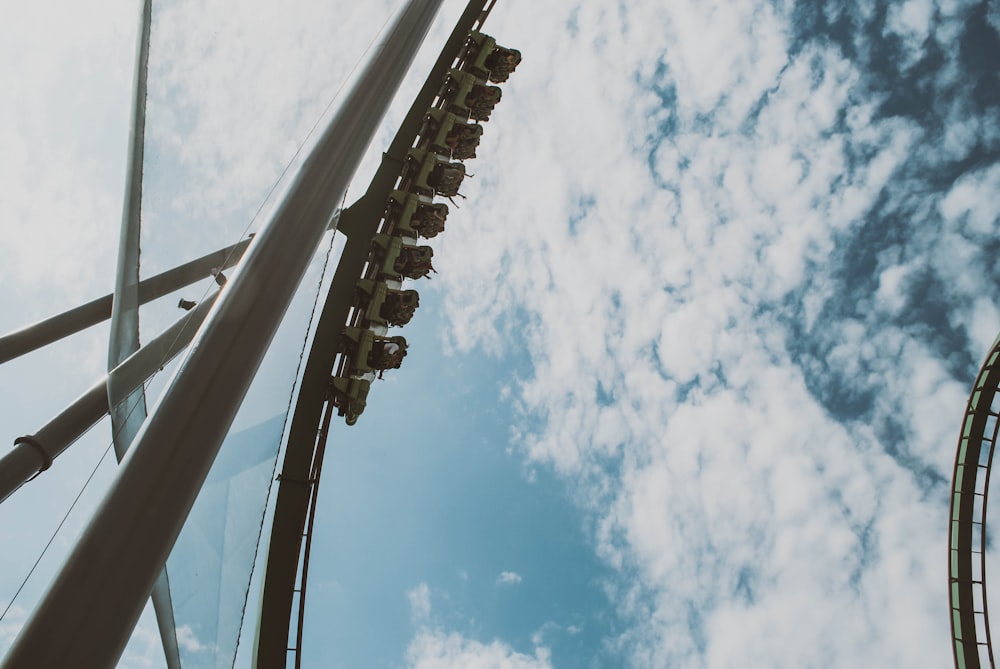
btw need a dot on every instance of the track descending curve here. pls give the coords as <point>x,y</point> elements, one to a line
<point>967,530</point>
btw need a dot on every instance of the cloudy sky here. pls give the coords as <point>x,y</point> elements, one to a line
<point>686,388</point>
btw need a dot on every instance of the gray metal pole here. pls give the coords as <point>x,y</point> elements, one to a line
<point>100,592</point>
<point>34,453</point>
<point>128,408</point>
<point>79,318</point>
<point>128,404</point>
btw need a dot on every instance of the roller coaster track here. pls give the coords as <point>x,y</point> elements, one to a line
<point>970,627</point>
<point>329,361</point>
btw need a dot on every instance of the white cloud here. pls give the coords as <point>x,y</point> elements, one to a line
<point>767,450</point>
<point>912,21</point>
<point>551,627</point>
<point>508,578</point>
<point>436,650</point>
<point>420,602</point>
<point>187,639</point>
<point>892,287</point>
<point>55,204</point>
<point>11,626</point>
<point>966,203</point>
<point>144,649</point>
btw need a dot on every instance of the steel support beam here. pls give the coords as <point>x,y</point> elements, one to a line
<point>128,407</point>
<point>99,593</point>
<point>80,318</point>
<point>128,404</point>
<point>34,453</point>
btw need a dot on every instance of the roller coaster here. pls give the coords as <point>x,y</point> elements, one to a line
<point>352,345</point>
<point>967,539</point>
<point>449,135</point>
<point>367,296</point>
<point>353,348</point>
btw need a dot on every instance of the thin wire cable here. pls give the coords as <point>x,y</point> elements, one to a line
<point>312,130</point>
<point>295,155</point>
<point>288,410</point>
<point>58,528</point>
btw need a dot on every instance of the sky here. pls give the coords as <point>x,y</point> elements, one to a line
<point>686,388</point>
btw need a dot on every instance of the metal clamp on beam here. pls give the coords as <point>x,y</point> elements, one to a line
<point>288,479</point>
<point>37,445</point>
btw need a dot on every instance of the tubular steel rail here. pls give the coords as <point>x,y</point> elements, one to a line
<point>970,627</point>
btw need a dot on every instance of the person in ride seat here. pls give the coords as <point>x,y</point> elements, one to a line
<point>466,149</point>
<point>414,262</point>
<point>481,101</point>
<point>463,141</point>
<point>387,353</point>
<point>446,178</point>
<point>502,62</point>
<point>418,268</point>
<point>429,220</point>
<point>399,306</point>
<point>483,96</point>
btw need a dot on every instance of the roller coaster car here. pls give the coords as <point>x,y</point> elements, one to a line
<point>501,63</point>
<point>356,344</point>
<point>367,352</point>
<point>385,252</point>
<point>463,140</point>
<point>481,100</point>
<point>417,171</point>
<point>426,174</point>
<point>414,262</point>
<point>384,306</point>
<point>396,259</point>
<point>448,135</point>
<point>399,306</point>
<point>488,60</point>
<point>413,215</point>
<point>350,396</point>
<point>446,178</point>
<point>467,96</point>
<point>387,353</point>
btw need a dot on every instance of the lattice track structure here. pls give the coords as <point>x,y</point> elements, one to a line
<point>970,626</point>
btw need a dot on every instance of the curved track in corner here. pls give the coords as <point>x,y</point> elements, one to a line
<point>970,627</point>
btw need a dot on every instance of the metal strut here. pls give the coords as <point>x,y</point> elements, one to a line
<point>79,318</point>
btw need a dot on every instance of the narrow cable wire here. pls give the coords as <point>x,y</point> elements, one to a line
<point>291,161</point>
<point>59,527</point>
<point>312,130</point>
<point>288,410</point>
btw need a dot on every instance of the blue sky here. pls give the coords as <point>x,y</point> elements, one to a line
<point>685,389</point>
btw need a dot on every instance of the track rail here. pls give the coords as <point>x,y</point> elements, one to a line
<point>970,626</point>
<point>296,490</point>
